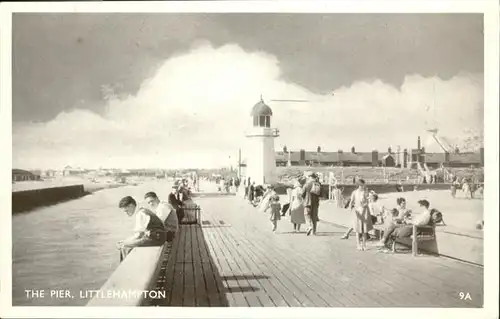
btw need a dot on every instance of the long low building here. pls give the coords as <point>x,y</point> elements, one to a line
<point>19,175</point>
<point>376,159</point>
<point>352,158</point>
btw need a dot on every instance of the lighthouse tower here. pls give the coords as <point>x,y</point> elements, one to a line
<point>261,158</point>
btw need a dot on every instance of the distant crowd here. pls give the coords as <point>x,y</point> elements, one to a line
<point>469,186</point>
<point>302,208</point>
<point>227,184</point>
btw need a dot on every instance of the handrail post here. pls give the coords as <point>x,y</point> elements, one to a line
<point>414,242</point>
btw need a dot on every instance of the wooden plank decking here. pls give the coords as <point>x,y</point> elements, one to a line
<point>233,259</point>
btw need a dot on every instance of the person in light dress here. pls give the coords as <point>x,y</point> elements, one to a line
<point>362,222</point>
<point>296,209</point>
<point>266,198</point>
<point>274,210</point>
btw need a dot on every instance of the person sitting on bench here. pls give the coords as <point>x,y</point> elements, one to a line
<point>149,228</point>
<point>166,212</point>
<point>406,228</point>
<point>173,199</point>
<point>403,212</point>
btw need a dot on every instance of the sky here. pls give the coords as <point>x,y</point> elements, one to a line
<point>175,90</point>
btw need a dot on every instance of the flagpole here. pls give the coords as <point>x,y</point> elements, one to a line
<point>434,102</point>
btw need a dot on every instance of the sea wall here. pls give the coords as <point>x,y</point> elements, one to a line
<point>137,273</point>
<point>26,200</point>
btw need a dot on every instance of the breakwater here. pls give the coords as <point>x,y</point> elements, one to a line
<point>26,200</point>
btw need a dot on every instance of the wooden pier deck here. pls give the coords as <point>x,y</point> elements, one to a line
<point>233,259</point>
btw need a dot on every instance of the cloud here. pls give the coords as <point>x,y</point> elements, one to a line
<point>194,110</point>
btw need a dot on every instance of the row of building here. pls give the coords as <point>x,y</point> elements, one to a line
<point>378,159</point>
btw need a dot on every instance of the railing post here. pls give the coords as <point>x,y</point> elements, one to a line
<point>198,215</point>
<point>414,242</point>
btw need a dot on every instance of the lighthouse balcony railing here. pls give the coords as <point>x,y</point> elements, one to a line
<point>263,131</point>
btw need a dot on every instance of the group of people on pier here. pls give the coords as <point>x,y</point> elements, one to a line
<point>303,206</point>
<point>398,222</point>
<point>158,222</point>
<point>227,184</point>
<point>469,187</point>
<point>363,204</point>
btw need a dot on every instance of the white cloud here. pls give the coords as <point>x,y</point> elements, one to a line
<point>193,112</point>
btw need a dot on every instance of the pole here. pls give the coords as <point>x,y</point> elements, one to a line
<point>239,164</point>
<point>434,101</point>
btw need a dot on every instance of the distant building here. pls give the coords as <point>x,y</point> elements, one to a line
<point>388,160</point>
<point>49,173</point>
<point>378,159</point>
<point>19,175</point>
<point>465,160</point>
<point>445,158</point>
<point>71,171</point>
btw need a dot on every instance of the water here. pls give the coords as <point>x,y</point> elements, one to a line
<point>72,245</point>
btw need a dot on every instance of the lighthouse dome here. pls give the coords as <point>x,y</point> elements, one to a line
<point>261,109</point>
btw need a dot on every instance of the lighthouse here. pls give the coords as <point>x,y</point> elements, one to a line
<point>261,158</point>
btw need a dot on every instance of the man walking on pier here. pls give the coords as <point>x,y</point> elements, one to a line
<point>311,194</point>
<point>166,212</point>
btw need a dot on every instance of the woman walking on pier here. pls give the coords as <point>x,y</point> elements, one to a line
<point>297,207</point>
<point>266,198</point>
<point>362,218</point>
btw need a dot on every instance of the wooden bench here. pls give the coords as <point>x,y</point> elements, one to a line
<point>419,234</point>
<point>423,234</point>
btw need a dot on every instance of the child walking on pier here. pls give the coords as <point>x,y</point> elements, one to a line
<point>274,208</point>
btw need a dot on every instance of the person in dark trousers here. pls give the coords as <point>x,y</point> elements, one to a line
<point>166,212</point>
<point>311,196</point>
<point>237,184</point>
<point>149,228</point>
<point>173,199</point>
<point>406,229</point>
<point>251,190</point>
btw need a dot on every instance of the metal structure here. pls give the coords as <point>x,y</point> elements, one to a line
<point>443,144</point>
<point>192,215</point>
